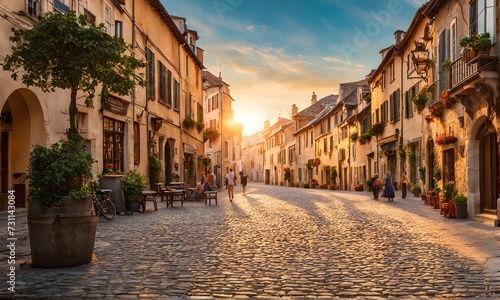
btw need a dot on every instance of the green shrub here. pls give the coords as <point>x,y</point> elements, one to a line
<point>132,184</point>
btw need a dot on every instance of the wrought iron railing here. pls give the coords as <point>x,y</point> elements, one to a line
<point>459,71</point>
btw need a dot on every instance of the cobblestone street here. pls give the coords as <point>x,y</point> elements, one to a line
<point>280,242</point>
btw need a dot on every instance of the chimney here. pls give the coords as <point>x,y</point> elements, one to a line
<point>267,124</point>
<point>295,110</point>
<point>314,98</point>
<point>399,35</point>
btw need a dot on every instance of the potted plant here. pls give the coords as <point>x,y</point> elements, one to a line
<point>460,202</point>
<point>415,189</point>
<point>61,227</point>
<point>132,185</point>
<point>421,173</point>
<point>155,169</point>
<point>436,172</point>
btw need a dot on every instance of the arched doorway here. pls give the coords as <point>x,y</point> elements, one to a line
<point>488,176</point>
<point>22,125</point>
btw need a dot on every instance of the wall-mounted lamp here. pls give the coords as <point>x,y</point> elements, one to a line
<point>156,122</point>
<point>420,59</point>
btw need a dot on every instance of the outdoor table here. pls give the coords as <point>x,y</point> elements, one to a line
<point>159,186</point>
<point>174,195</point>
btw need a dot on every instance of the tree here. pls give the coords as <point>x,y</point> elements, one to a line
<point>66,51</point>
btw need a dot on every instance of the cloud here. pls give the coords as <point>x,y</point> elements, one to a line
<point>250,27</point>
<point>336,60</point>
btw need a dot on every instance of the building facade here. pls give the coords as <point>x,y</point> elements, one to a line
<point>125,131</point>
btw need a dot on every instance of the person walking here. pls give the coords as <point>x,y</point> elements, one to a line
<point>231,180</point>
<point>388,188</point>
<point>244,181</point>
<point>376,185</point>
<point>404,185</point>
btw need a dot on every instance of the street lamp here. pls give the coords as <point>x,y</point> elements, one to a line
<point>420,59</point>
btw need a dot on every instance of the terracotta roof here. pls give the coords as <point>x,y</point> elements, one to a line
<point>313,110</point>
<point>212,79</point>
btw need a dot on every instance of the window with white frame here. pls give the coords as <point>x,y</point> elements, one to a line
<point>453,40</point>
<point>107,18</point>
<point>482,17</point>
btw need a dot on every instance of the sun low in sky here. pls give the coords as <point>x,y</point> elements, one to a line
<point>275,53</point>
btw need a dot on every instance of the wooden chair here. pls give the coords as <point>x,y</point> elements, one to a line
<point>209,196</point>
<point>148,196</point>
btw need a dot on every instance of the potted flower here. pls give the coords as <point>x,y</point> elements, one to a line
<point>460,202</point>
<point>354,136</point>
<point>475,43</point>
<point>314,182</point>
<point>445,139</point>
<point>377,128</point>
<point>437,109</point>
<point>132,184</point>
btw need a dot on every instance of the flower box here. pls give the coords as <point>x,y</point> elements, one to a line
<point>446,139</point>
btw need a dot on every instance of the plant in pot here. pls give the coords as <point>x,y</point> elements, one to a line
<point>415,189</point>
<point>61,227</point>
<point>49,56</point>
<point>155,169</point>
<point>132,185</point>
<point>460,202</point>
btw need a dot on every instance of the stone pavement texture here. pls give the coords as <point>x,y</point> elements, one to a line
<point>276,242</point>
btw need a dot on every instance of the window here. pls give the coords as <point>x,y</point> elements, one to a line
<point>307,138</point>
<point>113,143</point>
<point>119,29</point>
<point>169,88</point>
<point>312,138</point>
<point>395,105</point>
<point>137,144</point>
<point>62,6</point>
<point>187,65</point>
<point>453,40</point>
<point>150,74</point>
<point>33,8</point>
<point>409,103</point>
<point>385,112</point>
<point>107,19</point>
<point>176,95</point>
<point>189,109</point>
<point>392,74</point>
<point>162,97</point>
<point>354,151</point>
<point>199,112</point>
<point>383,81</point>
<point>331,143</point>
<point>325,145</point>
<point>482,17</point>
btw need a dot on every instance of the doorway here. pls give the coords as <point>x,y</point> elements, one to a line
<point>488,176</point>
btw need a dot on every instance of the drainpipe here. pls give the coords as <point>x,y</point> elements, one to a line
<point>402,166</point>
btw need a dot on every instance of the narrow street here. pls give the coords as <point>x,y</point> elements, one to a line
<point>281,242</point>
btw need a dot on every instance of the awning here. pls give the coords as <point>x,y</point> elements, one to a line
<point>415,140</point>
<point>389,146</point>
<point>189,149</point>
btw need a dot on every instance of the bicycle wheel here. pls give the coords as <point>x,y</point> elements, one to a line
<point>108,209</point>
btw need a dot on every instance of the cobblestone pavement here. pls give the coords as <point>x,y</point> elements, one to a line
<point>276,242</point>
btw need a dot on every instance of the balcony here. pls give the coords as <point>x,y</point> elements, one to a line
<point>474,81</point>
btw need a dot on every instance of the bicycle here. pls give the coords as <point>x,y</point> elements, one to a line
<point>103,206</point>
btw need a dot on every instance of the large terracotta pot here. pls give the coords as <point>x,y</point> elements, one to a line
<point>63,235</point>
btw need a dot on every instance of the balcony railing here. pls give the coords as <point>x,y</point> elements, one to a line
<point>460,71</point>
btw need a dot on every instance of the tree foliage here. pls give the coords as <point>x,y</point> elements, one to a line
<point>65,51</point>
